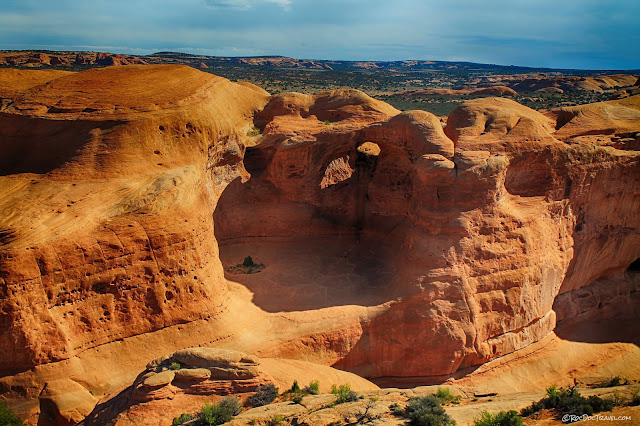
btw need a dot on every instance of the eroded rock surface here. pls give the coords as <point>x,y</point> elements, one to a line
<point>392,247</point>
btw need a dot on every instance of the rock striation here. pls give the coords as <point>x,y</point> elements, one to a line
<point>393,247</point>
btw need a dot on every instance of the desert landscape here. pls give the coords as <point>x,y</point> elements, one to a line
<point>336,213</point>
<point>170,238</point>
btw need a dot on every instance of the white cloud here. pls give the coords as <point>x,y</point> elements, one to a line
<point>246,4</point>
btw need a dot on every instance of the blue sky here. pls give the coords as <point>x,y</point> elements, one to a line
<point>602,34</point>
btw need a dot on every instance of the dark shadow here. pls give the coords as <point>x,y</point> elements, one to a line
<point>605,311</point>
<point>107,412</point>
<point>316,249</point>
<point>36,145</point>
<point>415,381</point>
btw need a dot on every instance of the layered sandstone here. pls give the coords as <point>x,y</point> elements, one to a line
<point>109,180</point>
<point>473,231</point>
<point>184,381</point>
<point>392,247</point>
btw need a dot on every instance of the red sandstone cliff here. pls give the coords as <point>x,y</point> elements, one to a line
<point>393,247</point>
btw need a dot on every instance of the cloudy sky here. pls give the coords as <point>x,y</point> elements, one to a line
<point>596,34</point>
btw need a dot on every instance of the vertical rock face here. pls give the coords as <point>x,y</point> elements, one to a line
<point>109,178</point>
<point>485,220</point>
<point>460,239</point>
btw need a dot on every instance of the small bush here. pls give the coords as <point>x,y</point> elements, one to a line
<point>264,395</point>
<point>427,411</point>
<point>254,131</point>
<point>232,405</point>
<point>635,398</point>
<point>569,401</point>
<point>216,414</point>
<point>446,397</point>
<point>181,419</point>
<point>326,122</point>
<point>276,420</point>
<point>297,399</point>
<point>613,382</point>
<point>396,409</point>
<point>343,394</point>
<point>295,387</point>
<point>7,418</point>
<point>365,416</point>
<point>213,415</point>
<point>248,266</point>
<point>175,366</point>
<point>503,418</point>
<point>313,388</point>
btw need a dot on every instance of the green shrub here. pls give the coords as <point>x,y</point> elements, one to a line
<point>232,405</point>
<point>295,387</point>
<point>446,397</point>
<point>276,420</point>
<point>569,401</point>
<point>396,409</point>
<point>613,382</point>
<point>343,394</point>
<point>175,366</point>
<point>326,122</point>
<point>503,418</point>
<point>313,388</point>
<point>7,418</point>
<point>297,399</point>
<point>181,419</point>
<point>213,415</point>
<point>427,411</point>
<point>254,131</point>
<point>248,266</point>
<point>635,398</point>
<point>219,413</point>
<point>264,395</point>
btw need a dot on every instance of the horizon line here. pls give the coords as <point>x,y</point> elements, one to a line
<point>635,70</point>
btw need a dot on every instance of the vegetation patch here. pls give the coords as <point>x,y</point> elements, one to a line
<point>446,397</point>
<point>248,266</point>
<point>313,388</point>
<point>7,418</point>
<point>254,131</point>
<point>264,395</point>
<point>612,382</point>
<point>343,394</point>
<point>276,420</point>
<point>503,418</point>
<point>569,401</point>
<point>216,414</point>
<point>427,411</point>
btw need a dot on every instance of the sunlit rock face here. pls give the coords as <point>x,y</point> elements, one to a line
<point>392,246</point>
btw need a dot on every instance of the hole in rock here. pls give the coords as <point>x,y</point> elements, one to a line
<point>635,266</point>
<point>337,171</point>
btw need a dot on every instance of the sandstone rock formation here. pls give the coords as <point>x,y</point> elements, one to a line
<point>183,381</point>
<point>477,242</point>
<point>392,247</point>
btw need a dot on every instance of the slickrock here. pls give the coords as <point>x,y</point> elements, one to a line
<point>476,235</point>
<point>161,393</point>
<point>391,247</point>
<point>109,178</point>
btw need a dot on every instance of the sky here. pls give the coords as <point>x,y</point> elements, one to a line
<point>585,34</point>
